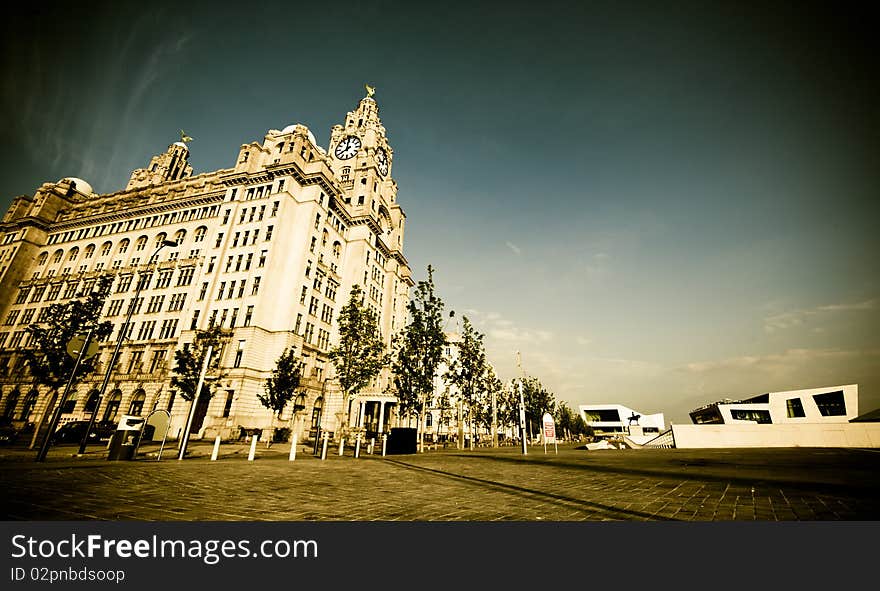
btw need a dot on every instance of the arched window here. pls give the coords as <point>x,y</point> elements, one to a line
<point>200,234</point>
<point>91,401</point>
<point>89,251</point>
<point>11,403</point>
<point>160,238</point>
<point>179,237</point>
<point>337,248</point>
<point>56,258</point>
<point>137,403</point>
<point>141,243</point>
<point>123,245</point>
<point>28,407</point>
<point>113,406</point>
<point>69,404</point>
<point>41,260</point>
<point>74,252</point>
<point>429,420</point>
<point>106,248</point>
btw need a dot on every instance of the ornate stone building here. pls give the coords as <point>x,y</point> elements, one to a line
<point>268,249</point>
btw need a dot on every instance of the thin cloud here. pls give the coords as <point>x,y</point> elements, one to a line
<point>796,318</point>
<point>516,249</point>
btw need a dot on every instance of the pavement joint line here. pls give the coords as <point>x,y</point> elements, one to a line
<point>514,489</point>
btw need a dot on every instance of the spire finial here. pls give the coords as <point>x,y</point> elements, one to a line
<point>371,90</point>
<point>184,138</point>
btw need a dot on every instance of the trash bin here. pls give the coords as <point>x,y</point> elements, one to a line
<point>126,438</point>
<point>403,440</point>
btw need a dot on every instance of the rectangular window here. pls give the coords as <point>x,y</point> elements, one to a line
<point>247,263</point>
<point>220,291</point>
<point>795,408</point>
<point>203,291</point>
<point>37,296</point>
<point>269,233</point>
<point>227,407</point>
<point>115,307</point>
<point>239,354</point>
<point>241,288</point>
<point>299,318</point>
<point>219,240</point>
<point>124,284</point>
<point>195,320</point>
<point>831,404</point>
<point>12,317</point>
<point>248,315</point>
<point>238,262</point>
<point>157,362</point>
<point>164,279</point>
<point>256,286</point>
<point>22,295</point>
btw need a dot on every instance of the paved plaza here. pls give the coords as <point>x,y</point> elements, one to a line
<point>791,484</point>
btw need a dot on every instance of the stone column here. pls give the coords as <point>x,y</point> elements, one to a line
<point>382,416</point>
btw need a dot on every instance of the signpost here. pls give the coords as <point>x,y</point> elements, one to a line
<point>549,432</point>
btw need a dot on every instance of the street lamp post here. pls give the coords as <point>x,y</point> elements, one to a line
<point>119,340</point>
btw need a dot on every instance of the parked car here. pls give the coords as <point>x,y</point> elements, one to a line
<point>72,432</point>
<point>8,435</point>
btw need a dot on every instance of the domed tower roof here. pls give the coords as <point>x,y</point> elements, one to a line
<point>78,185</point>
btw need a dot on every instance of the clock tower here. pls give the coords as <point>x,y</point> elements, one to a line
<point>361,158</point>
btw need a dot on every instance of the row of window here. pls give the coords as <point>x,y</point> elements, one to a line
<point>136,224</point>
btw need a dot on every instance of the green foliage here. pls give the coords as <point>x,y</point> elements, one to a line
<point>188,363</point>
<point>48,360</point>
<point>483,411</point>
<point>360,354</point>
<point>538,400</point>
<point>281,387</point>
<point>418,348</point>
<point>468,371</point>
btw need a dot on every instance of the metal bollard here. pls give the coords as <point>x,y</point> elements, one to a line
<point>216,451</point>
<point>253,451</point>
<point>384,442</point>
<point>292,447</point>
<point>324,448</point>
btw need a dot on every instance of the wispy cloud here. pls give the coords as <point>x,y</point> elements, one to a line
<point>796,318</point>
<point>582,340</point>
<point>516,249</point>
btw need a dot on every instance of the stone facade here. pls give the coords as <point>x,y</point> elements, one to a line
<point>268,249</point>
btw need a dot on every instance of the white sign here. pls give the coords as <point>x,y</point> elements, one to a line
<point>549,428</point>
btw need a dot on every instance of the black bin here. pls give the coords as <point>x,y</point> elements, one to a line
<point>126,438</point>
<point>403,440</point>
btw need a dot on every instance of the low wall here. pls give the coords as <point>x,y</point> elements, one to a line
<point>780,435</point>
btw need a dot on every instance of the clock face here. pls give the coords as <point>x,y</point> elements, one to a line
<point>382,161</point>
<point>348,147</point>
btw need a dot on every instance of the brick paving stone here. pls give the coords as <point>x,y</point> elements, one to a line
<point>450,485</point>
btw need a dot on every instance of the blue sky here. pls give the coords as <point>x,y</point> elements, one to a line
<point>658,204</point>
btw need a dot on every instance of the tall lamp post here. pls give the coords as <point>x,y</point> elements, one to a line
<point>119,340</point>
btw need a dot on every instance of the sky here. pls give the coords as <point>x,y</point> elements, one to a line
<point>658,204</point>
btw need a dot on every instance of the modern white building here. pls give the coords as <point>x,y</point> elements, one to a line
<point>615,419</point>
<point>833,404</point>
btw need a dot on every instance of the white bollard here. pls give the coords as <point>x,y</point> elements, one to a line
<point>341,445</point>
<point>357,446</point>
<point>293,447</point>
<point>372,444</point>
<point>216,451</point>
<point>324,448</point>
<point>384,441</point>
<point>253,451</point>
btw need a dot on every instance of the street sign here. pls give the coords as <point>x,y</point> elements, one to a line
<point>76,344</point>
<point>549,431</point>
<point>549,427</point>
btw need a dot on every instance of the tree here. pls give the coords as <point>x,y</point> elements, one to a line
<point>468,370</point>
<point>418,351</point>
<point>48,360</point>
<point>281,387</point>
<point>565,420</point>
<point>538,400</point>
<point>188,363</point>
<point>360,354</point>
